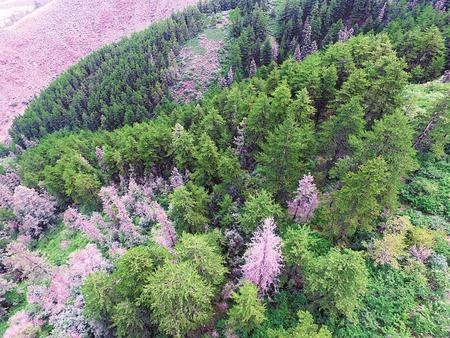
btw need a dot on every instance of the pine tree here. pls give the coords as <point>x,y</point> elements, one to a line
<point>202,251</point>
<point>347,122</point>
<point>256,209</point>
<point>284,157</point>
<point>263,259</point>
<point>337,281</point>
<point>247,313</point>
<point>188,208</point>
<point>266,53</point>
<point>305,202</point>
<point>179,299</point>
<point>360,201</point>
<point>207,161</point>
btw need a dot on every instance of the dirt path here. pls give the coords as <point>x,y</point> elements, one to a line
<point>45,41</point>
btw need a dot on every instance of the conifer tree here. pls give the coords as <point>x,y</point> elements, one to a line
<point>347,121</point>
<point>263,259</point>
<point>302,207</point>
<point>247,313</point>
<point>179,299</point>
<point>360,201</point>
<point>266,53</point>
<point>337,281</point>
<point>284,157</point>
<point>207,161</point>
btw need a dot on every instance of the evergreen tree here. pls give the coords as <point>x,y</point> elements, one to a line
<point>183,148</point>
<point>256,209</point>
<point>284,157</point>
<point>347,122</point>
<point>207,161</point>
<point>247,313</point>
<point>338,279</point>
<point>178,298</point>
<point>188,208</point>
<point>360,201</point>
<point>266,52</point>
<point>304,328</point>
<point>391,138</point>
<point>204,255</point>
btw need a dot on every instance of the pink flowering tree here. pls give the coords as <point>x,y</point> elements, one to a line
<point>263,259</point>
<point>345,33</point>
<point>77,221</point>
<point>164,233</point>
<point>23,263</point>
<point>66,279</point>
<point>33,211</point>
<point>230,77</point>
<point>5,286</point>
<point>116,211</point>
<point>302,207</point>
<point>22,325</point>
<point>252,69</point>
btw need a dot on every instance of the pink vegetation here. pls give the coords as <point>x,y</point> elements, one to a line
<point>263,259</point>
<point>81,263</point>
<point>44,43</point>
<point>22,325</point>
<point>305,202</point>
<point>420,253</point>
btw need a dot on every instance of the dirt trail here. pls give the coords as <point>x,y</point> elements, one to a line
<point>47,39</point>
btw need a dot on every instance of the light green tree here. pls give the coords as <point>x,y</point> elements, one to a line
<point>178,298</point>
<point>336,281</point>
<point>247,312</point>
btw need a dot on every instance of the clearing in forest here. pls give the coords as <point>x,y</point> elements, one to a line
<point>198,63</point>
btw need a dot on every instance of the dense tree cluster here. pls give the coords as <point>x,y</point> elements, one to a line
<point>308,200</point>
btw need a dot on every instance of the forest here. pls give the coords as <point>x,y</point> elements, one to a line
<point>305,194</point>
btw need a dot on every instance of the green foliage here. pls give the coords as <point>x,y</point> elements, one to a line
<point>256,209</point>
<point>429,188</point>
<point>204,255</point>
<point>98,294</point>
<point>247,312</point>
<point>423,51</point>
<point>284,157</point>
<point>396,304</point>
<point>305,328</point>
<point>298,243</point>
<point>59,242</point>
<point>188,208</point>
<point>132,271</point>
<point>337,281</point>
<point>128,320</point>
<point>360,201</point>
<point>179,299</point>
<point>428,111</point>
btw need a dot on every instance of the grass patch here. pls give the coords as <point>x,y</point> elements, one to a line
<point>194,46</point>
<point>18,298</point>
<point>50,245</point>
<point>216,34</point>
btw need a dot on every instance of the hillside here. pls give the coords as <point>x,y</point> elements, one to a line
<point>49,39</point>
<point>242,169</point>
